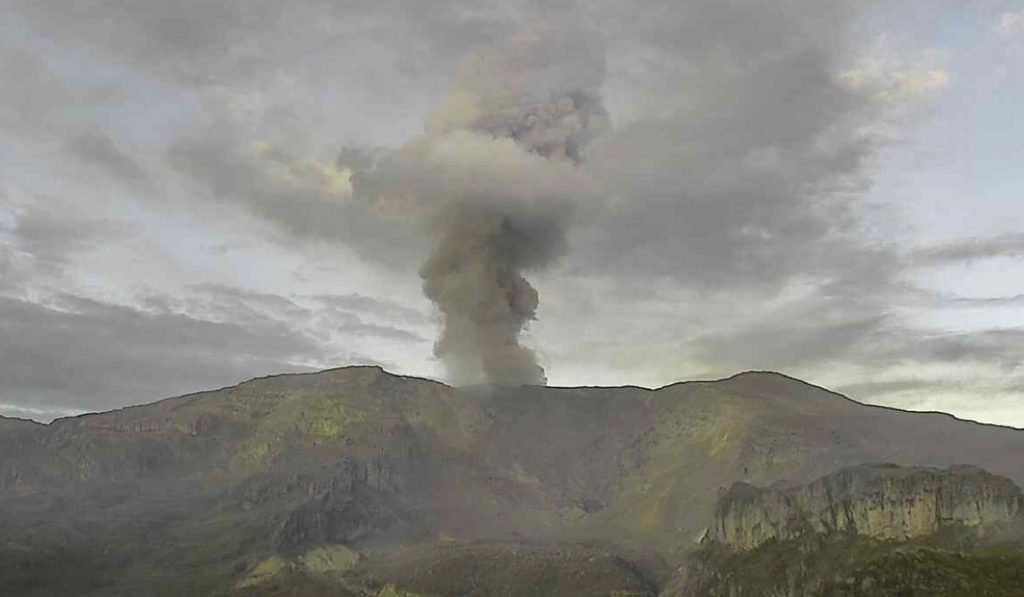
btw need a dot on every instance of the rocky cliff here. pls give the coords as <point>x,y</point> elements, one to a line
<point>877,501</point>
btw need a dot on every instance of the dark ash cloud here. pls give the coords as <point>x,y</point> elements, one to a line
<point>493,183</point>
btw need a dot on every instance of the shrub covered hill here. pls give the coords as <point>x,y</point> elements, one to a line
<point>358,482</point>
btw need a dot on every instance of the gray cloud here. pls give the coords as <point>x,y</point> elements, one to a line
<point>375,307</point>
<point>47,235</point>
<point>758,155</point>
<point>36,99</point>
<point>753,156</point>
<point>99,149</point>
<point>301,198</point>
<point>73,352</point>
<point>240,306</point>
<point>787,341</point>
<point>972,374</point>
<point>876,389</point>
<point>733,178</point>
<point>81,353</point>
<point>1001,347</point>
<point>992,301</point>
<point>32,94</point>
<point>1007,245</point>
<point>203,41</point>
<point>336,316</point>
<point>809,337</point>
<point>731,174</point>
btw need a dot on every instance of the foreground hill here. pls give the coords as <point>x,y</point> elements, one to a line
<point>357,481</point>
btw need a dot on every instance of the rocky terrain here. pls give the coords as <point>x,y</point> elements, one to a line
<point>358,482</point>
<point>866,530</point>
<point>877,501</point>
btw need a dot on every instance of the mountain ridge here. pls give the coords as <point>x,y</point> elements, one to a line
<point>359,459</point>
<point>734,377</point>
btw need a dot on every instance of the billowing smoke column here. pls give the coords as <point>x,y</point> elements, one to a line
<point>495,180</point>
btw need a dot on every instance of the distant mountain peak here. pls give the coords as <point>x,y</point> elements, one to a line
<point>773,383</point>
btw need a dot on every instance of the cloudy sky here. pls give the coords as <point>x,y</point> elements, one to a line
<point>828,189</point>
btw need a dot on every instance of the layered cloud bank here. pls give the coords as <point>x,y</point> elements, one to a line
<point>583,193</point>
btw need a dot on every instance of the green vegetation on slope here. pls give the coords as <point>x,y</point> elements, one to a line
<point>188,496</point>
<point>849,566</point>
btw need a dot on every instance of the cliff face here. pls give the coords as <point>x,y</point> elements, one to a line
<point>876,501</point>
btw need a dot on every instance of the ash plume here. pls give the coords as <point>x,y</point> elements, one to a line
<point>494,182</point>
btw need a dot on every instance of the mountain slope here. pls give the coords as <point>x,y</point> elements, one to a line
<point>193,494</point>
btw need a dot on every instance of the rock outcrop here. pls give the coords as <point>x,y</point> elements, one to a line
<point>877,501</point>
